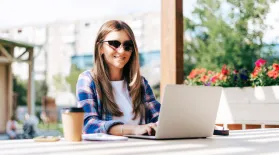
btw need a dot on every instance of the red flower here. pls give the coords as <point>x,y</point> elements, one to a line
<point>204,78</point>
<point>260,62</point>
<point>275,67</point>
<point>235,71</point>
<point>193,74</point>
<point>275,75</point>
<point>272,74</point>
<point>225,71</point>
<point>256,71</point>
<point>214,78</point>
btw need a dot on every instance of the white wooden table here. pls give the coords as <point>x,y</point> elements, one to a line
<point>260,141</point>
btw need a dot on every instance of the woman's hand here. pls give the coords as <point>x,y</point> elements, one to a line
<point>146,128</point>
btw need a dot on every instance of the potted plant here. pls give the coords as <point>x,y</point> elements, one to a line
<point>247,97</point>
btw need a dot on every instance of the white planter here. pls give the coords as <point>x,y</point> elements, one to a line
<point>259,105</point>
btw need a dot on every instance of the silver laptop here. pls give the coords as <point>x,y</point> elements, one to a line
<point>187,112</point>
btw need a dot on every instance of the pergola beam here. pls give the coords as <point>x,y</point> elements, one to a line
<point>22,54</point>
<point>6,53</point>
<point>13,43</point>
<point>4,60</point>
<point>171,43</point>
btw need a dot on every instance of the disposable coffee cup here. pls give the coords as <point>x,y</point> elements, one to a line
<point>72,120</point>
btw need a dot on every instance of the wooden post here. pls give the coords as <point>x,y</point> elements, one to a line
<point>3,97</point>
<point>10,86</point>
<point>172,43</point>
<point>30,94</point>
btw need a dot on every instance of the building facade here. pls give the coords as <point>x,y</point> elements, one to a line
<point>62,42</point>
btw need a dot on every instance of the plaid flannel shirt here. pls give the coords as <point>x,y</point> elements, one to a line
<point>95,121</point>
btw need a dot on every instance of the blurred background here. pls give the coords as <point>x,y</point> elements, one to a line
<point>62,34</point>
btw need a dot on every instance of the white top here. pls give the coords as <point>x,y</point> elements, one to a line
<point>124,102</point>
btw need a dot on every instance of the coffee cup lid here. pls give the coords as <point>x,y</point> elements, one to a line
<point>72,109</point>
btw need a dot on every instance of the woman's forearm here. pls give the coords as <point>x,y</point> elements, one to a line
<point>121,130</point>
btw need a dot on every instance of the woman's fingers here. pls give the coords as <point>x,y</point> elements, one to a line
<point>153,125</point>
<point>148,129</point>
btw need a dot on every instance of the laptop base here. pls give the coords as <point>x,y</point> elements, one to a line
<point>154,137</point>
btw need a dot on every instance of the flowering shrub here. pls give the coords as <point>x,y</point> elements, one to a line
<point>262,75</point>
<point>225,78</point>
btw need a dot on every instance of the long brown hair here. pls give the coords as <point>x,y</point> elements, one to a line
<point>131,72</point>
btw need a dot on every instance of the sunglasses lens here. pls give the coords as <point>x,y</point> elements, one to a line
<point>128,46</point>
<point>114,43</point>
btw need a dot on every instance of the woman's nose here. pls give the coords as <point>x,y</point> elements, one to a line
<point>120,49</point>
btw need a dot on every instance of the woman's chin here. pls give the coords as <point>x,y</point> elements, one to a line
<point>119,65</point>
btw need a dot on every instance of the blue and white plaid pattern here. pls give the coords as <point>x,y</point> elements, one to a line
<point>95,121</point>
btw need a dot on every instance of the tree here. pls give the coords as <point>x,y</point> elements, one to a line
<point>20,88</point>
<point>41,89</point>
<point>73,77</point>
<point>225,32</point>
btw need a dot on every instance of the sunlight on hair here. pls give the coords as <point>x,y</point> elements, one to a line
<point>134,80</point>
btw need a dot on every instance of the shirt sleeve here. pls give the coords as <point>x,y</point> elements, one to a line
<point>152,105</point>
<point>87,99</point>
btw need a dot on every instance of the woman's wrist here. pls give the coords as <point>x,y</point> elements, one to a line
<point>115,130</point>
<point>129,129</point>
<point>123,130</point>
<point>134,129</point>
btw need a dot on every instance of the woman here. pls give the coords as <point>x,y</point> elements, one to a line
<point>116,99</point>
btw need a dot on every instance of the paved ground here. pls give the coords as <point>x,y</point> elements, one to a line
<point>41,133</point>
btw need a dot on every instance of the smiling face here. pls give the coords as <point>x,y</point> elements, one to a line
<point>116,58</point>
